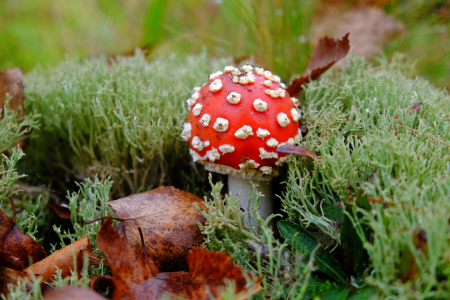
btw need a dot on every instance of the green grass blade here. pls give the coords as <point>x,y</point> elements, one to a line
<point>154,22</point>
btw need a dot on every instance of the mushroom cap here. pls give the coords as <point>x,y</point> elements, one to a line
<point>238,119</point>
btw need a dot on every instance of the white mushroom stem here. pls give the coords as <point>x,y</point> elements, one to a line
<point>238,185</point>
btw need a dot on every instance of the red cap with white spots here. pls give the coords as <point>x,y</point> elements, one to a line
<point>237,121</point>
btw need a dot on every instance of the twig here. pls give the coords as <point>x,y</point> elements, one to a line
<point>7,171</point>
<point>427,134</point>
<point>145,252</point>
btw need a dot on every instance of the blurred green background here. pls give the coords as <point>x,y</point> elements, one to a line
<point>278,34</point>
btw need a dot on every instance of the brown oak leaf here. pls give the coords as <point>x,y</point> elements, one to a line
<point>168,219</point>
<point>63,259</point>
<point>207,271</point>
<point>72,293</point>
<point>18,245</point>
<point>129,267</point>
<point>325,54</point>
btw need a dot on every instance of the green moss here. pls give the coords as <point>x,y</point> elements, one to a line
<point>353,127</point>
<point>121,118</point>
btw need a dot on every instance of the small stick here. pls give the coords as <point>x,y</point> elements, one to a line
<point>7,171</point>
<point>427,134</point>
<point>404,206</point>
<point>14,209</point>
<point>145,252</point>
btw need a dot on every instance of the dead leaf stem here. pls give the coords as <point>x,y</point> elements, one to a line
<point>14,209</point>
<point>145,252</point>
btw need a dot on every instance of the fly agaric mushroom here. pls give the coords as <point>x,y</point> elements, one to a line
<point>236,122</point>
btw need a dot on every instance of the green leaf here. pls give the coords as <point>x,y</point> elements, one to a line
<point>364,293</point>
<point>352,246</point>
<point>336,293</point>
<point>333,212</point>
<point>299,238</point>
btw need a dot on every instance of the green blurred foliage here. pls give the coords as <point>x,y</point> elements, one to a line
<point>120,118</point>
<point>268,31</point>
<point>426,38</point>
<point>45,31</point>
<point>273,33</point>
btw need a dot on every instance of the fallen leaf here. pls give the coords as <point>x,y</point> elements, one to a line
<point>8,276</point>
<point>17,244</point>
<point>409,267</point>
<point>129,267</point>
<point>207,271</point>
<point>416,106</point>
<point>297,150</point>
<point>168,219</point>
<point>11,83</point>
<point>324,55</point>
<point>55,204</point>
<point>9,261</point>
<point>72,293</point>
<point>63,259</point>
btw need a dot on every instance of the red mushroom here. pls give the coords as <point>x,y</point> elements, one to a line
<point>236,122</point>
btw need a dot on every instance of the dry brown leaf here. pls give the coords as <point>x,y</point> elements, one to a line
<point>18,245</point>
<point>325,54</point>
<point>9,261</point>
<point>11,83</point>
<point>297,150</point>
<point>7,276</point>
<point>206,270</point>
<point>168,219</point>
<point>63,259</point>
<point>72,293</point>
<point>129,267</point>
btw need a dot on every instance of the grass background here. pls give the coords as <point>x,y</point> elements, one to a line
<point>122,117</point>
<point>45,32</point>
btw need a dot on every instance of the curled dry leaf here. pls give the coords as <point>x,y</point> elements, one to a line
<point>168,219</point>
<point>8,276</point>
<point>64,259</point>
<point>17,245</point>
<point>9,261</point>
<point>206,269</point>
<point>297,150</point>
<point>72,293</point>
<point>129,267</point>
<point>324,55</point>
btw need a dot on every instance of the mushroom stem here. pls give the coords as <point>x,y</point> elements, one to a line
<point>238,185</point>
